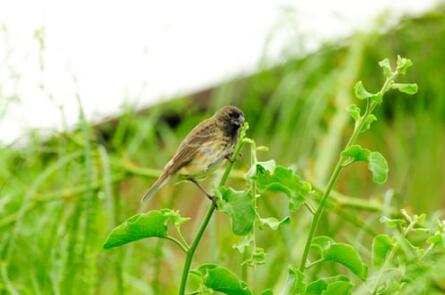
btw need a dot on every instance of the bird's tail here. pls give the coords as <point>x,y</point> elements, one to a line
<point>155,186</point>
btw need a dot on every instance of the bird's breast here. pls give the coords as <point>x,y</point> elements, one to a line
<point>208,156</point>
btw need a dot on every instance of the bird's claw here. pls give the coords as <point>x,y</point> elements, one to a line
<point>231,159</point>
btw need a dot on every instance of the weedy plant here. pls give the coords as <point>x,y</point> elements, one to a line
<point>398,256</point>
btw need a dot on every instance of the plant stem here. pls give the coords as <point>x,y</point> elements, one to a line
<point>370,106</point>
<point>208,216</point>
<point>318,214</point>
<point>191,251</point>
<point>330,186</point>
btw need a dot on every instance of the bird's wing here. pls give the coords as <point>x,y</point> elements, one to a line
<point>202,134</point>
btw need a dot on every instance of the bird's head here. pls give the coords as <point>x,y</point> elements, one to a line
<point>231,116</point>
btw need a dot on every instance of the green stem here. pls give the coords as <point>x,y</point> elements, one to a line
<point>191,251</point>
<point>208,216</point>
<point>318,214</point>
<point>332,180</point>
<point>370,106</point>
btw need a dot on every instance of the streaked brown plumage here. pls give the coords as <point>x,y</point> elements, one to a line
<point>207,145</point>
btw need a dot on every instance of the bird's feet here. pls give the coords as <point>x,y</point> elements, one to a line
<point>209,196</point>
<point>230,158</point>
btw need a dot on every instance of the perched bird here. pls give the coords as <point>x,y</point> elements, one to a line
<point>207,145</point>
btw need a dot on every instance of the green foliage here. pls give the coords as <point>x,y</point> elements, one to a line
<point>377,164</point>
<point>239,205</point>
<point>145,225</point>
<point>221,279</point>
<point>341,253</point>
<point>269,177</point>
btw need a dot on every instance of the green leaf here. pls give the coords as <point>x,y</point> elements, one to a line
<point>284,180</point>
<point>376,162</point>
<point>274,223</point>
<point>322,244</point>
<point>408,88</point>
<point>145,225</point>
<point>267,292</point>
<point>403,64</point>
<point>239,206</point>
<point>378,166</point>
<point>338,288</point>
<point>346,255</point>
<point>355,153</point>
<point>354,110</point>
<point>381,246</point>
<point>222,280</point>
<point>386,66</point>
<point>361,92</point>
<point>318,286</point>
<point>368,122</point>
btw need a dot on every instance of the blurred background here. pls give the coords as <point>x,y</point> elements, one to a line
<point>95,98</point>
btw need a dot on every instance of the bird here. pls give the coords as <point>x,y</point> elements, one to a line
<point>203,149</point>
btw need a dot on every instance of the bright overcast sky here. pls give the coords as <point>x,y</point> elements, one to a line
<point>144,51</point>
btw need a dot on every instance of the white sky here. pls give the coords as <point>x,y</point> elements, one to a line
<point>144,51</point>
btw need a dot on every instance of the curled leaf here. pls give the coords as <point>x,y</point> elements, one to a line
<point>403,64</point>
<point>377,164</point>
<point>222,280</point>
<point>284,180</point>
<point>354,110</point>
<point>274,223</point>
<point>408,88</point>
<point>368,122</point>
<point>239,206</point>
<point>145,225</point>
<point>386,66</point>
<point>346,255</point>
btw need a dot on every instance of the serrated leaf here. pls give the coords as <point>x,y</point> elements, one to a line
<point>274,223</point>
<point>367,123</point>
<point>408,88</point>
<point>403,64</point>
<point>346,255</point>
<point>354,110</point>
<point>145,225</point>
<point>381,246</point>
<point>338,288</point>
<point>386,66</point>
<point>239,205</point>
<point>378,165</point>
<point>222,280</point>
<point>284,180</point>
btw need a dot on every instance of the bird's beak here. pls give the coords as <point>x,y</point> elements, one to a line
<point>240,121</point>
